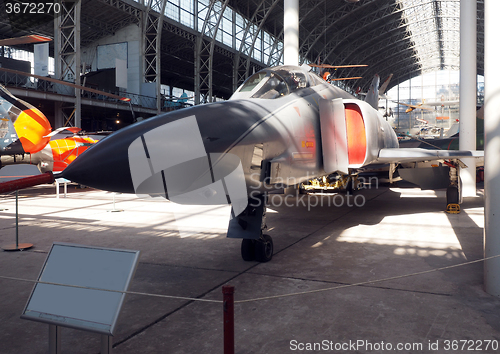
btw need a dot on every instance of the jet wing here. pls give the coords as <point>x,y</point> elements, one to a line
<point>404,155</point>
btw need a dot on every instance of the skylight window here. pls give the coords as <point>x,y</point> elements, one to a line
<point>434,28</point>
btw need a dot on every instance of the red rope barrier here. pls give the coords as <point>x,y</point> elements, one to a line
<point>44,178</point>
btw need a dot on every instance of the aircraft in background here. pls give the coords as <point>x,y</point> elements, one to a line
<point>283,126</point>
<point>329,77</point>
<point>56,155</point>
<point>23,128</point>
<point>381,91</point>
<point>328,66</point>
<point>428,105</point>
<point>26,137</point>
<point>32,38</point>
<point>176,102</point>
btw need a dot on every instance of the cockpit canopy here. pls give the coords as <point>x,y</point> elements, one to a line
<point>276,82</point>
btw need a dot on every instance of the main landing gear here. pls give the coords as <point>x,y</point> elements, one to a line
<point>453,197</point>
<point>249,225</point>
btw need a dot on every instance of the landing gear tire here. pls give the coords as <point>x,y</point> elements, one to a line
<point>452,196</point>
<point>264,249</point>
<point>248,249</point>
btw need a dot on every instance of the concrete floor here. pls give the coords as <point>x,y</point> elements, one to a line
<point>184,252</point>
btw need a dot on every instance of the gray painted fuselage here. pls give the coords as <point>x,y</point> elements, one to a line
<point>286,131</point>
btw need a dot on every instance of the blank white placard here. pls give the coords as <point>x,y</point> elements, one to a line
<point>92,267</point>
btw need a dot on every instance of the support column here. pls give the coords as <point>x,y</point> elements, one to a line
<point>291,33</point>
<point>151,37</point>
<point>58,115</point>
<point>197,90</point>
<point>204,52</point>
<point>492,147</point>
<point>468,89</point>
<point>67,55</point>
<point>78,67</point>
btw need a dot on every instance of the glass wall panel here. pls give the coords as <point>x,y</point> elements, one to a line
<point>435,97</point>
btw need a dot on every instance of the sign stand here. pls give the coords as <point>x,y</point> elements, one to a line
<point>114,210</point>
<point>81,287</point>
<point>65,182</point>
<point>106,344</point>
<point>54,339</point>
<point>17,246</point>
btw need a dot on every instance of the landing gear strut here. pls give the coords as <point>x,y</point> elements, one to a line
<point>453,190</point>
<point>250,226</point>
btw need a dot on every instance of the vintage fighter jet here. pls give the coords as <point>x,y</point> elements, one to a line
<point>283,126</point>
<point>56,155</point>
<point>25,132</point>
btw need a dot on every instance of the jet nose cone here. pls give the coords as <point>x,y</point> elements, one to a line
<point>104,166</point>
<point>143,157</point>
<point>164,156</point>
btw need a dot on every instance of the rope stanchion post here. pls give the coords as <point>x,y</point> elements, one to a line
<point>17,246</point>
<point>15,185</point>
<point>228,306</point>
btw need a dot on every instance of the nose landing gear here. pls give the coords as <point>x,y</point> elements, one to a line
<point>260,250</point>
<point>249,225</point>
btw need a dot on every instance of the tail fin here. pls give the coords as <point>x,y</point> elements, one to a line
<point>372,95</point>
<point>383,88</point>
<point>29,125</point>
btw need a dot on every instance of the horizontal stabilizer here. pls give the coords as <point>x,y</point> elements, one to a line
<point>402,155</point>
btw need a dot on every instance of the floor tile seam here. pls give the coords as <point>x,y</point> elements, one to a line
<point>187,303</point>
<point>344,283</point>
<point>188,267</point>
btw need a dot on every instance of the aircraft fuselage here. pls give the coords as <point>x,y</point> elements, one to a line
<point>286,129</point>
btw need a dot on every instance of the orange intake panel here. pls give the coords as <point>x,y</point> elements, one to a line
<point>356,134</point>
